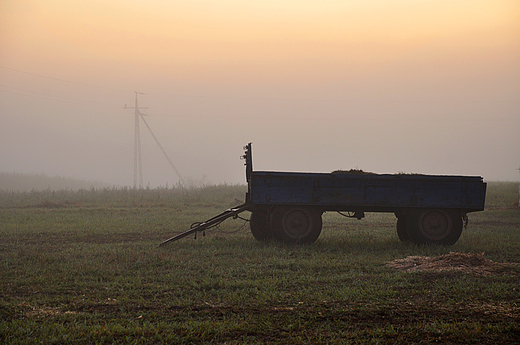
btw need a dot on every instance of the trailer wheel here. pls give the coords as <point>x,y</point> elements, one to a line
<point>296,224</point>
<point>401,229</point>
<point>434,226</point>
<point>259,224</point>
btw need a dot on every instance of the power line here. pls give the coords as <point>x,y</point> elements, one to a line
<point>266,117</point>
<point>272,99</point>
<point>164,153</point>
<point>62,80</point>
<point>138,167</point>
<point>51,97</point>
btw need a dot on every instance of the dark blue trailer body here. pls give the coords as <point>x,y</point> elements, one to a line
<point>430,209</point>
<point>287,206</point>
<point>369,192</point>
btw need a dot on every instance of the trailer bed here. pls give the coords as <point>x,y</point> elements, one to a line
<point>288,206</point>
<point>369,192</point>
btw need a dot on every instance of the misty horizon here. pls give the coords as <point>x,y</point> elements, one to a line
<point>430,88</point>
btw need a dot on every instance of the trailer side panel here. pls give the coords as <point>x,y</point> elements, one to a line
<point>378,192</point>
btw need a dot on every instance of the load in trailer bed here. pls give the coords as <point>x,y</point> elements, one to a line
<point>287,206</point>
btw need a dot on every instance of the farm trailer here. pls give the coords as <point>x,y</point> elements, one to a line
<point>288,206</point>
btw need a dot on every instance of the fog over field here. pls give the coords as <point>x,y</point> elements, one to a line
<point>429,87</point>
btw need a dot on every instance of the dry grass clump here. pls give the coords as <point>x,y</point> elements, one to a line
<point>467,263</point>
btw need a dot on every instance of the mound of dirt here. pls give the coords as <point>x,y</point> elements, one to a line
<point>466,263</point>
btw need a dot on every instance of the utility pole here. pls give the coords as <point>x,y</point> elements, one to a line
<point>138,166</point>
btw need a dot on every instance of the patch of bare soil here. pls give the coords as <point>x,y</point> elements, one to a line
<point>466,263</point>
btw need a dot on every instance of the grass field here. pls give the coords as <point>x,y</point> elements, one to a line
<point>83,268</point>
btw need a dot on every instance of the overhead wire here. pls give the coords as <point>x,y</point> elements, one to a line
<point>268,99</point>
<point>63,80</point>
<point>164,152</point>
<point>271,99</point>
<point>51,97</point>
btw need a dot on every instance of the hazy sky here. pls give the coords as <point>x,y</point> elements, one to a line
<point>425,86</point>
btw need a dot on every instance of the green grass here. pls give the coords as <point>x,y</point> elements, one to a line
<point>83,267</point>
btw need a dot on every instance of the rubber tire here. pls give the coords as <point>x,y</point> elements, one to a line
<point>296,224</point>
<point>434,226</point>
<point>259,224</point>
<point>401,229</point>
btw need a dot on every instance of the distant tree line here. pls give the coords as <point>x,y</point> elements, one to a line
<point>18,182</point>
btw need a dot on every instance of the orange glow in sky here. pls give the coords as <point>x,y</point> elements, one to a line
<point>428,86</point>
<point>268,41</point>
